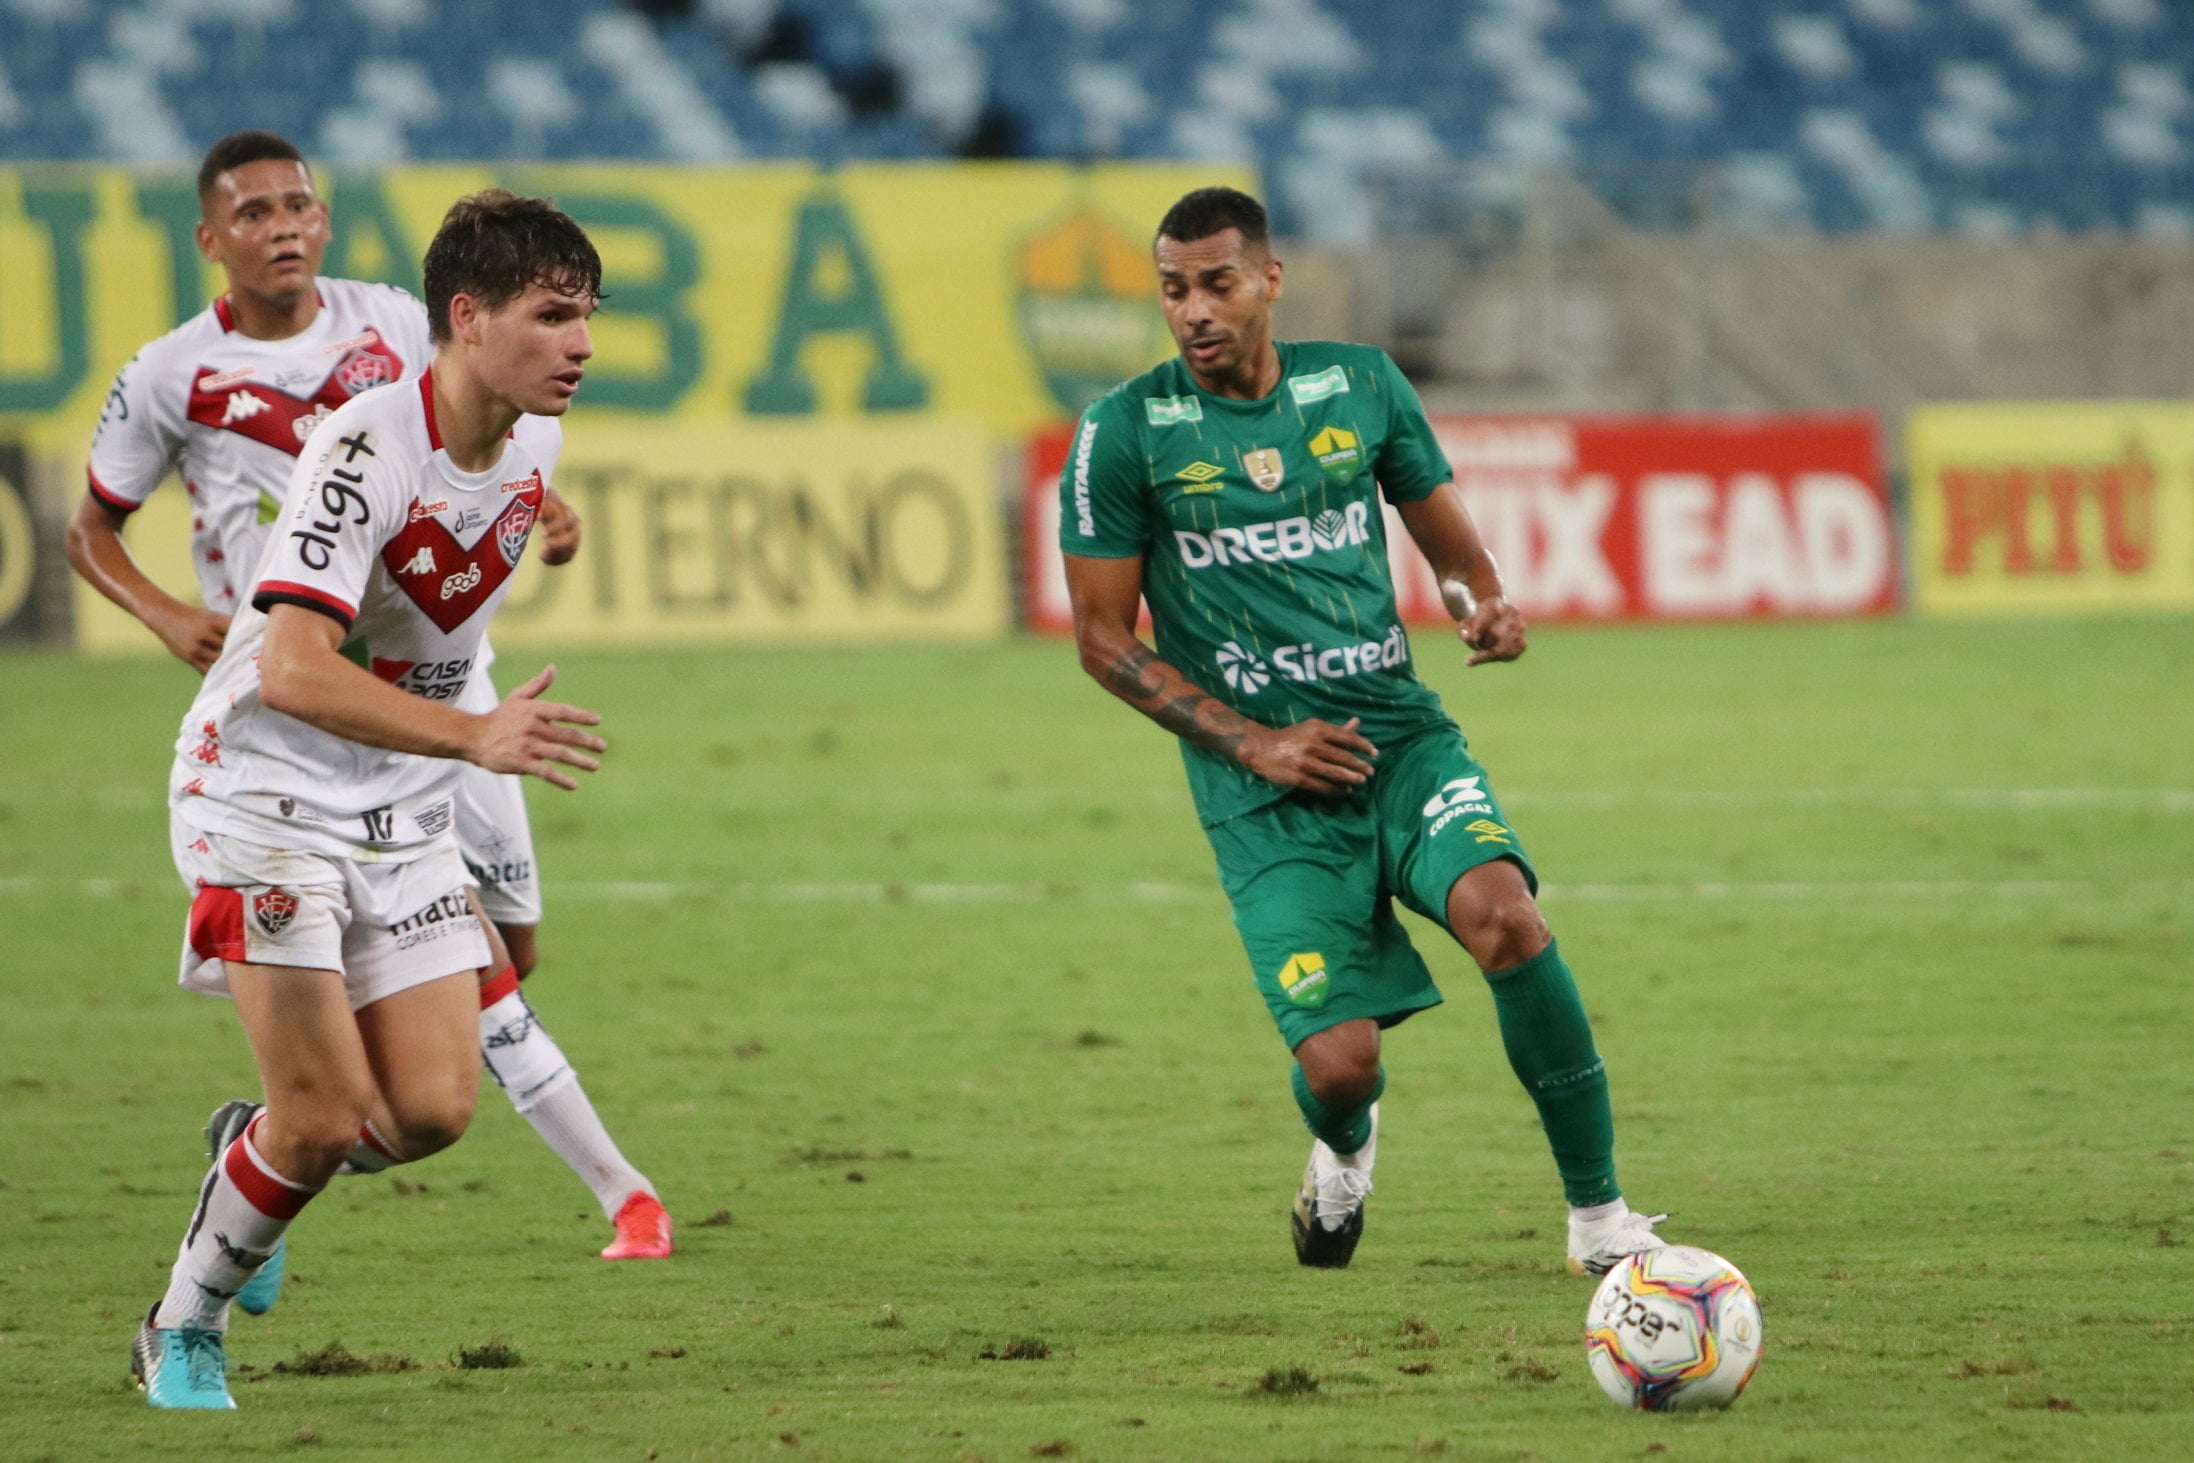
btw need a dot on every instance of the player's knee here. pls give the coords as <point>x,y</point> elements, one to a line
<point>1513,932</point>
<point>1341,1065</point>
<point>308,1140</point>
<point>429,1122</point>
<point>1344,1085</point>
<point>1493,915</point>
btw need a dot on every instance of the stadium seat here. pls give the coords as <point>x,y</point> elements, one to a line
<point>1981,116</point>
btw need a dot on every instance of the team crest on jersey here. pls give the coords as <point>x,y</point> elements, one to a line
<point>274,909</point>
<point>363,371</point>
<point>1338,452</point>
<point>1265,468</point>
<point>424,549</point>
<point>511,531</point>
<point>269,413</point>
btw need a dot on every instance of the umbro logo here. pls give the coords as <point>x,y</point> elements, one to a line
<point>1198,476</point>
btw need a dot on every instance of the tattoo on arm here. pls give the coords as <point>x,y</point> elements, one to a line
<point>1141,679</point>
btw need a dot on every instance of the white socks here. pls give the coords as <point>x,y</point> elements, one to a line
<point>243,1207</point>
<point>526,1061</point>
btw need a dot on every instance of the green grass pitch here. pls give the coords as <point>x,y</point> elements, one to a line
<point>904,973</point>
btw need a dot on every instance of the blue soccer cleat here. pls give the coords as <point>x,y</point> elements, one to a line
<point>183,1368</point>
<point>225,1126</point>
<point>265,1286</point>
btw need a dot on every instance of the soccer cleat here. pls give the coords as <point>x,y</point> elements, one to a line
<point>182,1368</point>
<point>1328,1217</point>
<point>1596,1247</point>
<point>643,1229</point>
<point>265,1286</point>
<point>227,1124</point>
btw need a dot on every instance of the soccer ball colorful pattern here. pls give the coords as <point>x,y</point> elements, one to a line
<point>1673,1329</point>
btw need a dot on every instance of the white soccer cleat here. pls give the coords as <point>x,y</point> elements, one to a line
<point>1597,1246</point>
<point>1328,1217</point>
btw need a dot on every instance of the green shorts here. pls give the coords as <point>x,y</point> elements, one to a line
<point>1313,882</point>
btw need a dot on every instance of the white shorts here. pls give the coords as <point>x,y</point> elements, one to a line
<point>385,927</point>
<point>497,843</point>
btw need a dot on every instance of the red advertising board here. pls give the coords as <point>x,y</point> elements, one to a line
<point>1621,518</point>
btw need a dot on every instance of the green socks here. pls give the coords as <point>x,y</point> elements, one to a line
<point>1343,1129</point>
<point>1549,1045</point>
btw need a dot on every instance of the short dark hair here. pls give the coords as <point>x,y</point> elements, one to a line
<point>495,243</point>
<point>239,148</point>
<point>1209,211</point>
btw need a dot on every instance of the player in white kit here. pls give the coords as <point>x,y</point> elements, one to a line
<point>228,399</point>
<point>314,785</point>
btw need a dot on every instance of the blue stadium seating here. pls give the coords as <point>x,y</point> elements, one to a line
<point>1974,116</point>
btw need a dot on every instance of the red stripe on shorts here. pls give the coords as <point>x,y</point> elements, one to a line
<point>217,923</point>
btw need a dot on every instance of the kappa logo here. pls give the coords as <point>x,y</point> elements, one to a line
<point>1305,981</point>
<point>1244,672</point>
<point>1460,798</point>
<point>242,407</point>
<point>1198,476</point>
<point>421,563</point>
<point>1265,468</point>
<point>460,582</point>
<point>274,909</point>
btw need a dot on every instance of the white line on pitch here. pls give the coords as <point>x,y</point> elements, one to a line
<point>1855,798</point>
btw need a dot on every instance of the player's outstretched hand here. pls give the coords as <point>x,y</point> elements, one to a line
<point>1494,631</point>
<point>530,736</point>
<point>194,636</point>
<point>559,530</point>
<point>1314,755</point>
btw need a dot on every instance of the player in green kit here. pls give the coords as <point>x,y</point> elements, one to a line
<point>1236,488</point>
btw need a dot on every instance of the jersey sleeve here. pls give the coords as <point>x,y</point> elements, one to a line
<point>1410,463</point>
<point>346,499</point>
<point>136,444</point>
<point>1104,489</point>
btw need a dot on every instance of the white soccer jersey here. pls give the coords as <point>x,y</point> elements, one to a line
<point>381,532</point>
<point>230,414</point>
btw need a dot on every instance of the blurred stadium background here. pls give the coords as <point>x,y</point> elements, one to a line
<point>922,223</point>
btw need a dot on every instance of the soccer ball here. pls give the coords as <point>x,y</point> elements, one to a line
<point>1673,1329</point>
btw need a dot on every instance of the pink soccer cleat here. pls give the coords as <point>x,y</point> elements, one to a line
<point>643,1229</point>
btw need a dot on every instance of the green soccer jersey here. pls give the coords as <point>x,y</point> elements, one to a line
<point>1264,548</point>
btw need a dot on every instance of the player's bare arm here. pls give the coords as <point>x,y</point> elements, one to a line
<point>192,633</point>
<point>1311,754</point>
<point>303,674</point>
<point>1470,582</point>
<point>559,528</point>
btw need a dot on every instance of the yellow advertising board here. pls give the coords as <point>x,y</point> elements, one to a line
<point>2052,506</point>
<point>999,295</point>
<point>735,532</point>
